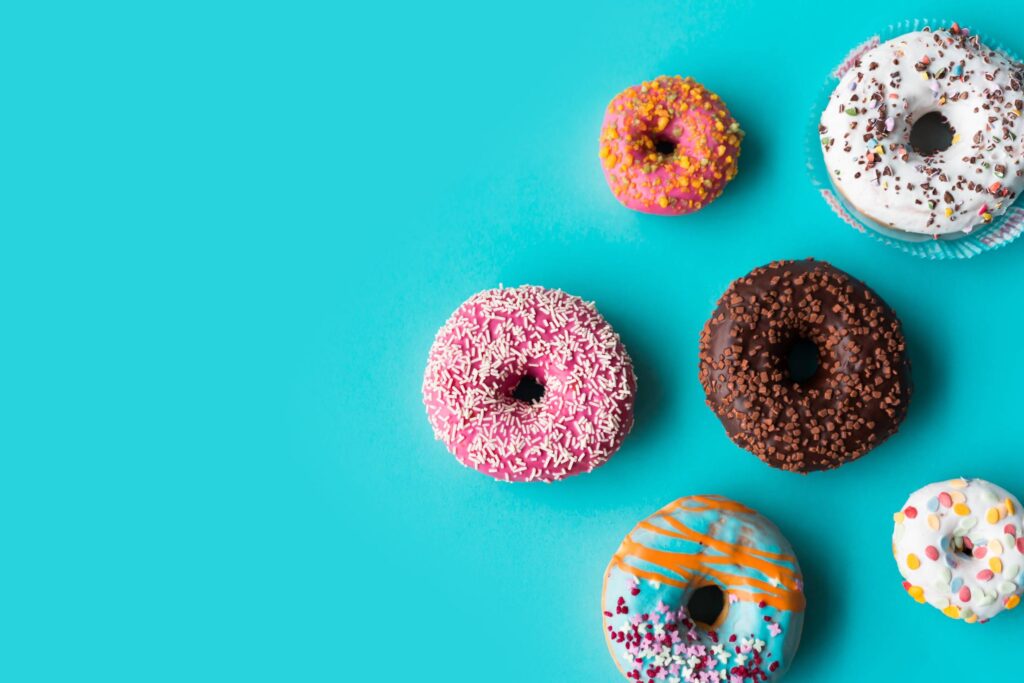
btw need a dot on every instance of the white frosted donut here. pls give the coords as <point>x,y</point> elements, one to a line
<point>865,132</point>
<point>959,545</point>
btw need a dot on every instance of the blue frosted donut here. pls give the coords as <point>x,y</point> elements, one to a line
<point>703,590</point>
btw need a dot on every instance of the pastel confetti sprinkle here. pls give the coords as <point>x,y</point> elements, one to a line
<point>964,564</point>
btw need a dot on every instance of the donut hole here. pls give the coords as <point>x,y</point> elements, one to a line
<point>802,361</point>
<point>528,389</point>
<point>663,145</point>
<point>931,134</point>
<point>706,604</point>
<point>962,547</point>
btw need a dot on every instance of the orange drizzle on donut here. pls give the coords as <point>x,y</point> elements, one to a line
<point>777,585</point>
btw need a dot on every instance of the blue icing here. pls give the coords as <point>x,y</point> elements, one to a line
<point>664,567</point>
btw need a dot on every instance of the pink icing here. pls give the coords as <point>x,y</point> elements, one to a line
<point>669,146</point>
<point>501,335</point>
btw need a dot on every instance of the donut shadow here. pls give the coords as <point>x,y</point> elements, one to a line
<point>751,159</point>
<point>652,401</point>
<point>825,605</point>
<point>926,373</point>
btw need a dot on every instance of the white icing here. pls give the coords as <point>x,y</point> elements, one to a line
<point>894,84</point>
<point>989,511</point>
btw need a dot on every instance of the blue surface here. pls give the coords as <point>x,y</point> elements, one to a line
<point>227,237</point>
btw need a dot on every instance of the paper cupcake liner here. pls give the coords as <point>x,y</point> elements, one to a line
<point>1000,232</point>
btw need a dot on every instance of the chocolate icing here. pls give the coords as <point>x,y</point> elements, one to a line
<point>855,400</point>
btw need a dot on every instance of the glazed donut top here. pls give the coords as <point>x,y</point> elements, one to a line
<point>854,401</point>
<point>960,546</point>
<point>669,146</point>
<point>865,132</point>
<point>496,338</point>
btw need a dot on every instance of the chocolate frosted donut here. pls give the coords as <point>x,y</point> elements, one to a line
<point>854,400</point>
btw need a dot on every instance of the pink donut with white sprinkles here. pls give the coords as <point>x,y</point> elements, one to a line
<point>529,384</point>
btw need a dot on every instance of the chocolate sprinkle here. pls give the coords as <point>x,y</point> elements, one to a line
<point>855,400</point>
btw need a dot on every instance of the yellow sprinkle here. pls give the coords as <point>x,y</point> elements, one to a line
<point>721,150</point>
<point>953,612</point>
<point>971,619</point>
<point>960,483</point>
<point>949,211</point>
<point>898,517</point>
<point>956,139</point>
<point>1009,506</point>
<point>912,561</point>
<point>986,216</point>
<point>663,201</point>
<point>1012,601</point>
<point>917,593</point>
<point>993,515</point>
<point>662,122</point>
<point>995,547</point>
<point>924,75</point>
<point>996,565</point>
<point>605,151</point>
<point>961,509</point>
<point>879,150</point>
<point>933,522</point>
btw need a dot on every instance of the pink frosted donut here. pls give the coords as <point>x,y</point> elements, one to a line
<point>668,146</point>
<point>529,384</point>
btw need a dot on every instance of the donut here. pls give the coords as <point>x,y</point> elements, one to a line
<point>668,146</point>
<point>657,625</point>
<point>853,401</point>
<point>578,379</point>
<point>867,141</point>
<point>959,545</point>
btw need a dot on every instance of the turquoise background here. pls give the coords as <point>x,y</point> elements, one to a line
<point>228,234</point>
